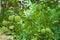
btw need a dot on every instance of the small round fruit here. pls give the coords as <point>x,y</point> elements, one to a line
<point>43,31</point>
<point>5,23</point>
<point>11,18</point>
<point>17,18</point>
<point>48,30</point>
<point>11,27</point>
<point>4,28</point>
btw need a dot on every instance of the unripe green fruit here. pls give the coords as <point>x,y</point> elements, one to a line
<point>11,27</point>
<point>5,23</point>
<point>11,18</point>
<point>43,31</point>
<point>4,28</point>
<point>48,30</point>
<point>17,18</point>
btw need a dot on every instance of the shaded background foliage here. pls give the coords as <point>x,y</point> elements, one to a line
<point>39,19</point>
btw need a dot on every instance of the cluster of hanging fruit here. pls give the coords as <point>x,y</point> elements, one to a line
<point>12,18</point>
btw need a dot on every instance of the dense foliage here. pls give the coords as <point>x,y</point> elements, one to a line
<point>30,19</point>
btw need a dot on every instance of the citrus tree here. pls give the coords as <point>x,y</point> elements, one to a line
<point>30,19</point>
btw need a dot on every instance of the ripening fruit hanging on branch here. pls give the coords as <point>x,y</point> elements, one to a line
<point>14,18</point>
<point>5,23</point>
<point>42,31</point>
<point>48,30</point>
<point>17,18</point>
<point>11,18</point>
